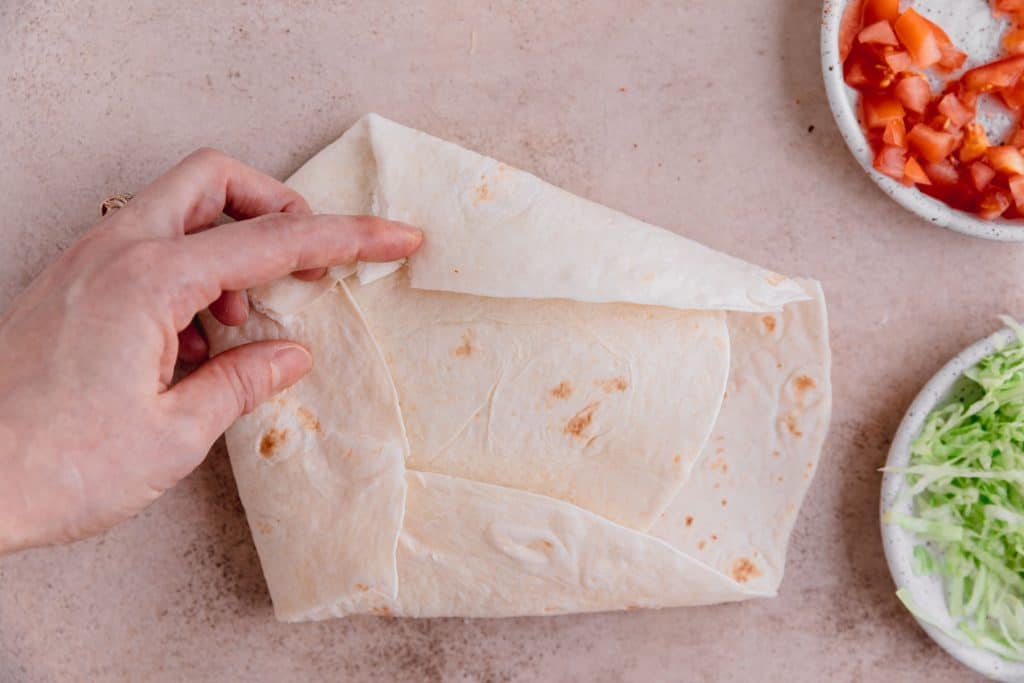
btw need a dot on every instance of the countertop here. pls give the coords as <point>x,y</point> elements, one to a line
<point>708,118</point>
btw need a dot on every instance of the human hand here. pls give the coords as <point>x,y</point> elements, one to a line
<point>91,430</point>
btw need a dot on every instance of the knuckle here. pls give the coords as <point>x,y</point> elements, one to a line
<point>246,387</point>
<point>206,156</point>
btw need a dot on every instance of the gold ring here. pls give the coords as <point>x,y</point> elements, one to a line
<point>115,202</point>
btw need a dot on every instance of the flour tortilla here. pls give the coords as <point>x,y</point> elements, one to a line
<point>558,368</point>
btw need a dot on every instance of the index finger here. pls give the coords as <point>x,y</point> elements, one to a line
<point>194,193</point>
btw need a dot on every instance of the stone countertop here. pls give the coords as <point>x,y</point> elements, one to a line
<point>708,118</point>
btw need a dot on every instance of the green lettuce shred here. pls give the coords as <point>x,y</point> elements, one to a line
<point>966,478</point>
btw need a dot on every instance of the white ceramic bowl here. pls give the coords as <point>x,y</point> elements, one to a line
<point>973,28</point>
<point>899,543</point>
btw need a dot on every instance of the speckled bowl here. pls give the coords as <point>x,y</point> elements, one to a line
<point>972,27</point>
<point>926,592</point>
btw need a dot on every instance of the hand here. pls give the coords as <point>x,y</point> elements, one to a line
<point>91,430</point>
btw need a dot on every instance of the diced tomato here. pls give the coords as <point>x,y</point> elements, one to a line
<point>879,111</point>
<point>981,175</point>
<point>1002,73</point>
<point>856,76</point>
<point>932,145</point>
<point>849,26</point>
<point>1008,6</point>
<point>878,10</point>
<point>1013,41</point>
<point>975,143</point>
<point>1005,159</point>
<point>952,58</point>
<point>879,33</point>
<point>913,172</point>
<point>1013,97</point>
<point>916,34</point>
<point>1016,137</point>
<point>899,61</point>
<point>891,160</point>
<point>1016,183</point>
<point>953,109</point>
<point>913,92</point>
<point>942,172</point>
<point>993,204</point>
<point>895,133</point>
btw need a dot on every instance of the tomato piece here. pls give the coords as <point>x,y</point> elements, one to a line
<point>849,27</point>
<point>955,111</point>
<point>1002,73</point>
<point>878,10</point>
<point>975,143</point>
<point>1017,137</point>
<point>1013,41</point>
<point>1008,6</point>
<point>890,160</point>
<point>1013,97</point>
<point>931,144</point>
<point>1005,159</point>
<point>856,76</point>
<point>913,92</point>
<point>899,61</point>
<point>981,175</point>
<point>916,34</point>
<point>942,172</point>
<point>1016,183</point>
<point>895,133</point>
<point>913,172</point>
<point>879,33</point>
<point>993,204</point>
<point>879,111</point>
<point>952,58</point>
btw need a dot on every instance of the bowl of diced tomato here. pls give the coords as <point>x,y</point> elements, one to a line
<point>929,97</point>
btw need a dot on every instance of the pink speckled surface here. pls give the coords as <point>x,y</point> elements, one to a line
<point>705,117</point>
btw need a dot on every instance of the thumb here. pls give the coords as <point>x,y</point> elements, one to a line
<point>233,383</point>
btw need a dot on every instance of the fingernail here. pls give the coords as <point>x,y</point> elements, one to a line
<point>410,230</point>
<point>288,364</point>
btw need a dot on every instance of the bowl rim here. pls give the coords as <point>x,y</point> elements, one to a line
<point>910,198</point>
<point>898,552</point>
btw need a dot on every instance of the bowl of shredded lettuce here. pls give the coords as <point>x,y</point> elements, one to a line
<point>953,506</point>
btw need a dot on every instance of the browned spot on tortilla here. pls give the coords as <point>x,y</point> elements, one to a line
<point>263,527</point>
<point>778,366</point>
<point>743,570</point>
<point>701,543</point>
<point>542,545</point>
<point>362,587</point>
<point>719,451</point>
<point>483,193</point>
<point>613,384</point>
<point>720,465</point>
<point>466,348</point>
<point>581,420</point>
<point>782,478</point>
<point>776,454</point>
<point>678,459</point>
<point>381,611</point>
<point>790,421</point>
<point>647,278</point>
<point>550,609</point>
<point>774,279</point>
<point>455,270</point>
<point>689,520</point>
<point>724,502</point>
<point>308,420</point>
<point>272,438</point>
<point>631,608</point>
<point>563,390</point>
<point>802,383</point>
<point>769,323</point>
<point>713,537</point>
<point>717,485</point>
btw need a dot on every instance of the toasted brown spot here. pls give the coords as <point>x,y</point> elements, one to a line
<point>724,502</point>
<point>802,383</point>
<point>717,485</point>
<point>647,277</point>
<point>455,270</point>
<point>272,438</point>
<point>769,323</point>
<point>550,609</point>
<point>790,421</point>
<point>743,570</point>
<point>263,527</point>
<point>610,385</point>
<point>776,454</point>
<point>483,193</point>
<point>581,420</point>
<point>622,88</point>
<point>714,537</point>
<point>362,587</point>
<point>563,390</point>
<point>781,478</point>
<point>701,544</point>
<point>543,545</point>
<point>678,459</point>
<point>689,520</point>
<point>466,348</point>
<point>720,465</point>
<point>775,279</point>
<point>719,451</point>
<point>631,608</point>
<point>381,611</point>
<point>308,420</point>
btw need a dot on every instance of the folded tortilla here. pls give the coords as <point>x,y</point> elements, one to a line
<point>551,408</point>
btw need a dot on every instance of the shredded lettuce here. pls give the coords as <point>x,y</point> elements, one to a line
<point>966,479</point>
